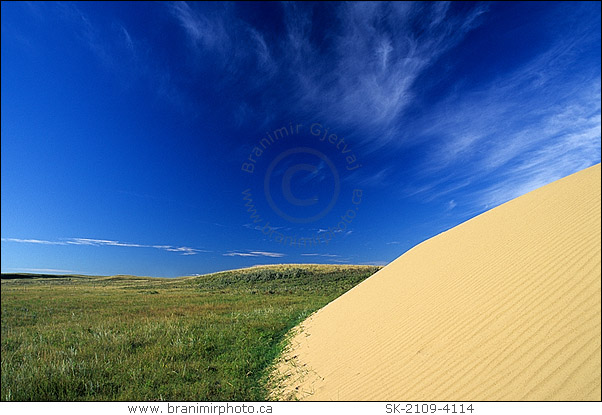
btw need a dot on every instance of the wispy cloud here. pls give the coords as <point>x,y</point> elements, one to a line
<point>128,39</point>
<point>362,75</point>
<point>259,228</point>
<point>229,40</point>
<point>34,241</point>
<point>535,125</point>
<point>38,270</point>
<point>341,260</point>
<point>255,254</point>
<point>370,178</point>
<point>101,242</point>
<point>128,58</point>
<point>243,254</point>
<point>513,133</point>
<point>204,32</point>
<point>268,254</point>
<point>113,46</point>
<point>182,250</point>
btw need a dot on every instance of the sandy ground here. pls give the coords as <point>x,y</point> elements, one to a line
<point>505,306</point>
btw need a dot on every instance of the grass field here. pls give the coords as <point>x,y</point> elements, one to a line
<point>211,337</point>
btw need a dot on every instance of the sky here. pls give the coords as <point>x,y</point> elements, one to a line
<point>171,139</point>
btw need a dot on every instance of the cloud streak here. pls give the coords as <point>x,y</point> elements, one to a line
<point>254,254</point>
<point>366,80</point>
<point>536,124</point>
<point>182,250</point>
<point>360,76</point>
<point>39,270</point>
<point>513,133</point>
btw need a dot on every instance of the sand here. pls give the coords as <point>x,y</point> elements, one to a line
<point>505,306</point>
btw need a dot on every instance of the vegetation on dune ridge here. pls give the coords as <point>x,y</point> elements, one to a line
<point>209,337</point>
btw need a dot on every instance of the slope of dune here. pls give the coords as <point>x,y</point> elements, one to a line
<point>505,306</point>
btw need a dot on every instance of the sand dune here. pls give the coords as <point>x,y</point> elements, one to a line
<point>505,306</point>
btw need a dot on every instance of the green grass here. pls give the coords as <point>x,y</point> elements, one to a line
<point>207,338</point>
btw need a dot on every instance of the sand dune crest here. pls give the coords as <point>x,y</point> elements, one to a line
<point>505,306</point>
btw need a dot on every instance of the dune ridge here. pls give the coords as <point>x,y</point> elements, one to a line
<point>505,306</point>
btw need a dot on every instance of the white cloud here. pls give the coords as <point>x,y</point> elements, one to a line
<point>38,270</point>
<point>525,129</point>
<point>268,254</point>
<point>341,261</point>
<point>366,82</point>
<point>522,131</point>
<point>203,31</point>
<point>33,241</point>
<point>360,75</point>
<point>127,39</point>
<point>88,241</point>
<point>255,254</point>
<point>183,250</point>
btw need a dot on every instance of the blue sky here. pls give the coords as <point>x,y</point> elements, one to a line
<point>171,139</point>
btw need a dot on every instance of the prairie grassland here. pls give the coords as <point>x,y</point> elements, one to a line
<point>212,337</point>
